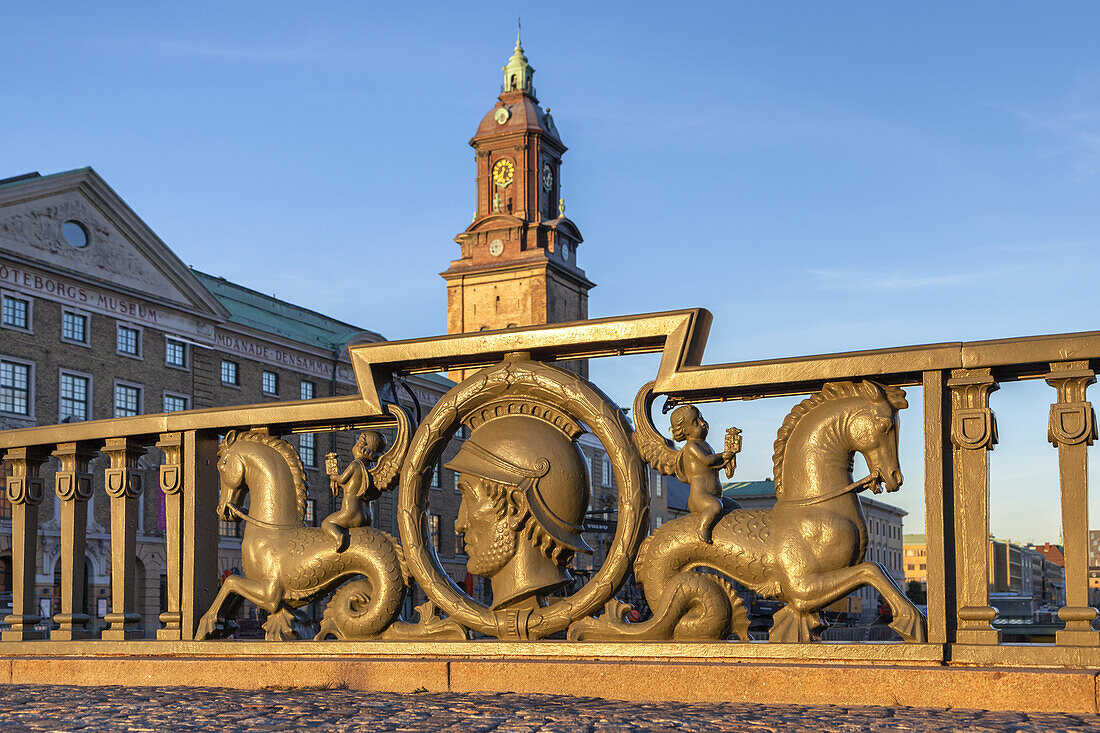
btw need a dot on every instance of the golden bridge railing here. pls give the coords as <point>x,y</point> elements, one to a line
<point>957,381</point>
<point>188,477</point>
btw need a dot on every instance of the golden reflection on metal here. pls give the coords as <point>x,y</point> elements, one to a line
<point>807,551</point>
<point>123,483</point>
<point>286,564</point>
<point>73,486</point>
<point>171,485</point>
<point>523,498</point>
<point>524,493</point>
<point>1072,429</point>
<point>973,434</point>
<point>695,464</point>
<point>24,491</point>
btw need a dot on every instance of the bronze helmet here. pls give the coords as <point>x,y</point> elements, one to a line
<point>537,457</point>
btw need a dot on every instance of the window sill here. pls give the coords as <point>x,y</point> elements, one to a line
<point>85,344</point>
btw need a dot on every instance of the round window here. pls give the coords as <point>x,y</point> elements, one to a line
<point>75,233</point>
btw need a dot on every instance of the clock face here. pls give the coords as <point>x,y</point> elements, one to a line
<point>502,115</point>
<point>503,172</point>
<point>547,177</point>
<point>565,251</point>
<point>496,247</point>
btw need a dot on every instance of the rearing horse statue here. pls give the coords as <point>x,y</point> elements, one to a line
<point>286,564</point>
<point>808,550</point>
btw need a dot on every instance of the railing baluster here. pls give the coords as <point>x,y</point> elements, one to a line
<point>1072,429</point>
<point>939,503</point>
<point>973,433</point>
<point>171,481</point>
<point>199,557</point>
<point>73,486</point>
<point>24,488</point>
<point>124,487</point>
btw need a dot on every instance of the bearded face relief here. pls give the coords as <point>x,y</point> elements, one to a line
<point>524,494</point>
<point>489,537</point>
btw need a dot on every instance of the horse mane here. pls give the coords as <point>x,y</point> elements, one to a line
<point>285,449</point>
<point>830,391</point>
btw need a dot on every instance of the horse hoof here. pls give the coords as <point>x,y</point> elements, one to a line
<point>206,628</point>
<point>911,628</point>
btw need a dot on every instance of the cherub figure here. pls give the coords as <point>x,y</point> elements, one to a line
<point>697,466</point>
<point>358,485</point>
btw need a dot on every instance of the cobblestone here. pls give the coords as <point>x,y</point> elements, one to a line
<point>140,709</point>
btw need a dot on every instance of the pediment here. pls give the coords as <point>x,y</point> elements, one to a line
<point>495,221</point>
<point>122,252</point>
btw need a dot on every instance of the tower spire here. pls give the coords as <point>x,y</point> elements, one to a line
<point>517,72</point>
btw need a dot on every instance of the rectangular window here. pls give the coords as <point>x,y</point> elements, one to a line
<point>74,327</point>
<point>433,525</point>
<point>127,400</point>
<point>230,373</point>
<point>15,388</point>
<point>435,477</point>
<point>175,353</point>
<point>175,402</point>
<point>307,449</point>
<point>73,397</point>
<point>129,340</point>
<point>270,383</point>
<point>606,471</point>
<point>229,529</point>
<point>309,390</point>
<point>311,512</point>
<point>659,482</point>
<point>17,312</point>
<point>588,465</point>
<point>460,543</point>
<point>455,475</point>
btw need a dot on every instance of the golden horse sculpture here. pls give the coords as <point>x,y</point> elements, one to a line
<point>287,564</point>
<point>808,550</point>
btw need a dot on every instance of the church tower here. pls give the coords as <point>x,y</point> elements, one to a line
<point>518,259</point>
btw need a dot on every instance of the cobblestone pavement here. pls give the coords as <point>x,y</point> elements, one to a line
<point>139,709</point>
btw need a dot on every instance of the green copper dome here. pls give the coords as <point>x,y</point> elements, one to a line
<point>518,73</point>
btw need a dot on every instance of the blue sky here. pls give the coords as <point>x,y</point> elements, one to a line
<point>822,177</point>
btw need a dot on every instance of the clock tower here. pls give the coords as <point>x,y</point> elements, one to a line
<point>517,264</point>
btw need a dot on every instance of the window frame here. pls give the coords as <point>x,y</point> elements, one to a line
<point>87,342</point>
<point>186,365</point>
<point>236,373</point>
<point>63,372</point>
<point>128,385</point>
<point>312,389</point>
<point>263,382</point>
<point>178,395</point>
<point>30,414</point>
<point>312,465</point>
<point>119,325</point>
<point>29,300</point>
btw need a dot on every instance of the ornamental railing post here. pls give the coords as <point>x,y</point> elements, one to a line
<point>171,483</point>
<point>123,480</point>
<point>939,509</point>
<point>73,486</point>
<point>199,546</point>
<point>973,434</point>
<point>1072,429</point>
<point>24,489</point>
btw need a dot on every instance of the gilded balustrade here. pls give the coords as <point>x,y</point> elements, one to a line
<point>521,394</point>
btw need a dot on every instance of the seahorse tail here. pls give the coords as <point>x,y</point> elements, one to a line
<point>364,607</point>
